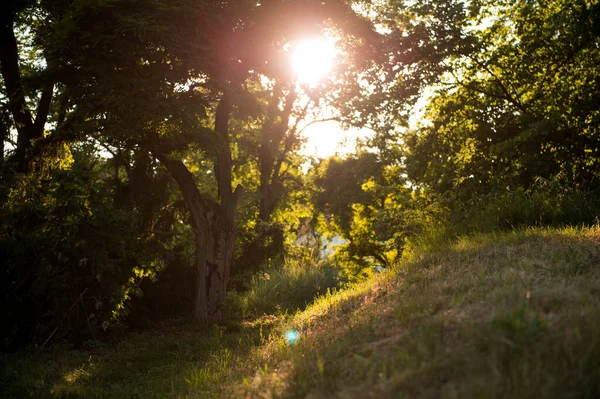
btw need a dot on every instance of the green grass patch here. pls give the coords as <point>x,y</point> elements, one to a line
<point>176,360</point>
<point>285,289</point>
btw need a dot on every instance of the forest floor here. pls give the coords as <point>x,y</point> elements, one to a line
<point>508,315</point>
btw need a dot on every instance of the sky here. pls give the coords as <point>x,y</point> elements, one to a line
<point>324,139</point>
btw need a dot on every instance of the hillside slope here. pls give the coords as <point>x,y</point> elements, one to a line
<point>513,315</point>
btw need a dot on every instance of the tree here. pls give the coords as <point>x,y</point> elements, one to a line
<point>418,39</point>
<point>522,107</point>
<point>167,86</point>
<point>364,199</point>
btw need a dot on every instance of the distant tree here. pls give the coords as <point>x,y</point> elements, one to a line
<point>365,200</point>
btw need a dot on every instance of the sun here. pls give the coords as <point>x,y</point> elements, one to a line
<point>312,60</point>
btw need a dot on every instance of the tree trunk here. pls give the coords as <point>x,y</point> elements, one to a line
<point>214,224</point>
<point>267,162</point>
<point>215,243</point>
<point>214,228</point>
<point>275,132</point>
<point>4,132</point>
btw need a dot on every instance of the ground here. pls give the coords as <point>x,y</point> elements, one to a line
<point>498,316</point>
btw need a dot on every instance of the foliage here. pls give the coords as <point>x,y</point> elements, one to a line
<point>194,100</point>
<point>181,83</point>
<point>366,200</point>
<point>72,254</point>
<point>545,204</point>
<point>520,110</point>
<point>418,38</point>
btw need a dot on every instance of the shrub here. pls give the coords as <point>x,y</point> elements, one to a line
<point>71,254</point>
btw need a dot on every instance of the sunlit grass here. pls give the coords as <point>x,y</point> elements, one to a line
<point>488,316</point>
<point>285,288</point>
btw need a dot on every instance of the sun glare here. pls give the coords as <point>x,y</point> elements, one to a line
<point>312,60</point>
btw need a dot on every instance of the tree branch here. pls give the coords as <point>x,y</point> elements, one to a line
<point>289,142</point>
<point>508,97</point>
<point>333,118</point>
<point>197,206</point>
<point>9,61</point>
<point>43,108</point>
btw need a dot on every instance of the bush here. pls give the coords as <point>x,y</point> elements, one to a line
<point>546,203</point>
<point>71,254</point>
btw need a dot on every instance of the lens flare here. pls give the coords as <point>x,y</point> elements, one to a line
<point>292,336</point>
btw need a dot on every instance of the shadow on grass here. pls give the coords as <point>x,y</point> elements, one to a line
<point>180,359</point>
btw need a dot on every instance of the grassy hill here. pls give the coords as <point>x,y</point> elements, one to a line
<point>512,315</point>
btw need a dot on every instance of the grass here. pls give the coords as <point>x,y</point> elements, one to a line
<point>496,316</point>
<point>285,289</point>
<point>177,360</point>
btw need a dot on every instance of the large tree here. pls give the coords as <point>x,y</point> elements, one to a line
<point>171,78</point>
